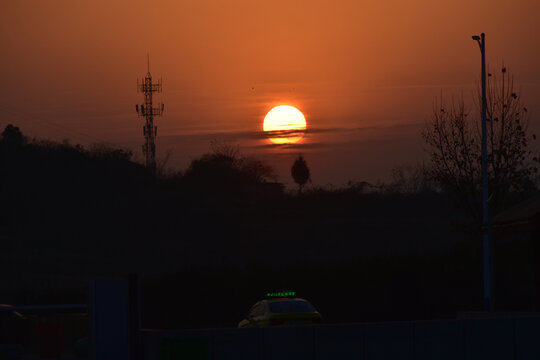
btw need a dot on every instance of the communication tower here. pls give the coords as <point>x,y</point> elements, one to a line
<point>148,111</point>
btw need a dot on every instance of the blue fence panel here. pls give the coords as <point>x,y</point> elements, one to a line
<point>491,339</point>
<point>527,333</point>
<point>289,343</point>
<point>452,339</point>
<point>388,341</point>
<point>238,344</point>
<point>439,340</point>
<point>110,319</point>
<point>341,342</point>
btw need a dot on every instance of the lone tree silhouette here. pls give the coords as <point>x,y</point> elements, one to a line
<point>12,136</point>
<point>454,145</point>
<point>300,172</point>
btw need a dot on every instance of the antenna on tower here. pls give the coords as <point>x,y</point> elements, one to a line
<point>148,111</point>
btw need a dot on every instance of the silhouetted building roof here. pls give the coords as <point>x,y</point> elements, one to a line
<point>526,212</point>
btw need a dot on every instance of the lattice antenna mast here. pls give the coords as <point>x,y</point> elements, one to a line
<point>148,111</point>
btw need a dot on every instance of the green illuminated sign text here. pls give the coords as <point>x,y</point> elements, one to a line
<point>281,294</point>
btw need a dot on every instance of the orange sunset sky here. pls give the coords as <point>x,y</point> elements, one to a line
<point>364,73</point>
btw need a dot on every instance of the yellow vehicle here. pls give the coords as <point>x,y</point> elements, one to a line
<point>281,309</point>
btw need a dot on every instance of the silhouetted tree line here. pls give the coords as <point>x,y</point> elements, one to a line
<point>224,172</point>
<point>70,213</point>
<point>52,185</point>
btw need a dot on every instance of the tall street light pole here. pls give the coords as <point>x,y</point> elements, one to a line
<point>488,278</point>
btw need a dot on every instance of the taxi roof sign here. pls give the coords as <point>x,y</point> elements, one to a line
<point>280,294</point>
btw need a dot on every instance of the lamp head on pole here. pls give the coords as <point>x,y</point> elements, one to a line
<point>479,40</point>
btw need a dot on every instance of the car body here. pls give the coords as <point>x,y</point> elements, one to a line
<point>281,311</point>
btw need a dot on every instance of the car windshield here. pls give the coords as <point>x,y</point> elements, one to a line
<point>290,306</point>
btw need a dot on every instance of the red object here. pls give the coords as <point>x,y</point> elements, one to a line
<point>50,338</point>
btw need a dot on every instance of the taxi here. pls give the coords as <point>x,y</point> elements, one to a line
<point>280,309</point>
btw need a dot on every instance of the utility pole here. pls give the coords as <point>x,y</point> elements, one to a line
<point>486,226</point>
<point>147,87</point>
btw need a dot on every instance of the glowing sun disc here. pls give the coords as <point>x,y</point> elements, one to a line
<point>284,124</point>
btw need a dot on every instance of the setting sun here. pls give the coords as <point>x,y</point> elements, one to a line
<point>284,124</point>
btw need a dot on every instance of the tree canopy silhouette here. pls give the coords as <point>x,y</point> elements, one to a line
<point>12,136</point>
<point>225,170</point>
<point>453,142</point>
<point>300,172</point>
